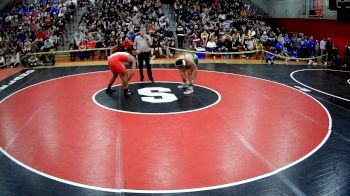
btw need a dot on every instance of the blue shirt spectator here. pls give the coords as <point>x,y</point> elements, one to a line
<point>302,43</point>
<point>286,39</point>
<point>25,9</point>
<point>22,36</point>
<point>54,10</point>
<point>311,43</point>
<point>131,35</point>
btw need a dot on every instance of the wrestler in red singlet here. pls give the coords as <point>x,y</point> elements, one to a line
<point>116,65</point>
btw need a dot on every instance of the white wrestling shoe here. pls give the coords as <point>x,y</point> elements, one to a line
<point>189,90</point>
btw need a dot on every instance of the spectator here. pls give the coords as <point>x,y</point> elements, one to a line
<point>91,44</point>
<point>180,32</point>
<point>156,47</point>
<point>211,45</point>
<point>323,43</point>
<point>347,54</point>
<point>72,46</point>
<point>78,36</point>
<point>127,45</point>
<point>83,55</point>
<point>204,37</point>
<point>311,45</point>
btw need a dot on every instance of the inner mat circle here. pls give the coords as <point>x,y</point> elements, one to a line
<point>157,98</point>
<point>259,127</point>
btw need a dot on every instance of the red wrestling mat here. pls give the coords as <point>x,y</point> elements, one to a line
<point>4,73</point>
<point>258,128</point>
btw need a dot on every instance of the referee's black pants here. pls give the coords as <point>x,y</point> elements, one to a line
<point>145,57</point>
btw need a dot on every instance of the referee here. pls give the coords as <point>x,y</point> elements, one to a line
<point>142,44</point>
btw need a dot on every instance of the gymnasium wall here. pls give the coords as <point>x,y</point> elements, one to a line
<point>292,8</point>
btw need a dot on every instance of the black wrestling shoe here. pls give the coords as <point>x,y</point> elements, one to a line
<point>110,91</point>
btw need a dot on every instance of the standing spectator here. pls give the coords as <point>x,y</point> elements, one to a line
<point>311,46</point>
<point>317,48</point>
<point>323,48</point>
<point>142,45</point>
<point>329,48</point>
<point>334,55</point>
<point>347,54</point>
<point>180,36</point>
<point>78,36</point>
<point>301,47</point>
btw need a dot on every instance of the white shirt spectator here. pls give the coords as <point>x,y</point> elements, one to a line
<point>204,17</point>
<point>2,60</point>
<point>251,33</point>
<point>48,44</point>
<point>264,38</point>
<point>249,44</point>
<point>222,16</point>
<point>323,44</point>
<point>78,36</point>
<point>211,44</point>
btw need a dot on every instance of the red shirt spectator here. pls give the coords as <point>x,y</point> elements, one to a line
<point>82,45</point>
<point>91,43</point>
<point>127,44</point>
<point>48,21</point>
<point>40,35</point>
<point>217,3</point>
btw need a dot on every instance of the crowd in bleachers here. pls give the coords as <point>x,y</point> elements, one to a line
<point>115,24</point>
<point>233,26</point>
<point>33,28</point>
<point>215,25</point>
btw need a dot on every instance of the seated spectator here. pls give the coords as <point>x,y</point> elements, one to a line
<point>126,45</point>
<point>264,38</point>
<point>72,46</point>
<point>156,49</point>
<point>204,37</point>
<point>211,45</point>
<point>27,46</point>
<point>83,55</point>
<point>249,46</point>
<point>91,44</point>
<point>166,43</point>
<point>48,45</point>
<point>236,45</point>
<point>222,46</point>
<point>2,60</point>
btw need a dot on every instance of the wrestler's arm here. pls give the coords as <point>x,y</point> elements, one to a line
<point>133,66</point>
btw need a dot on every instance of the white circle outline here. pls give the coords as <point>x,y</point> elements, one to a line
<point>179,190</point>
<point>147,113</point>
<point>297,81</point>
